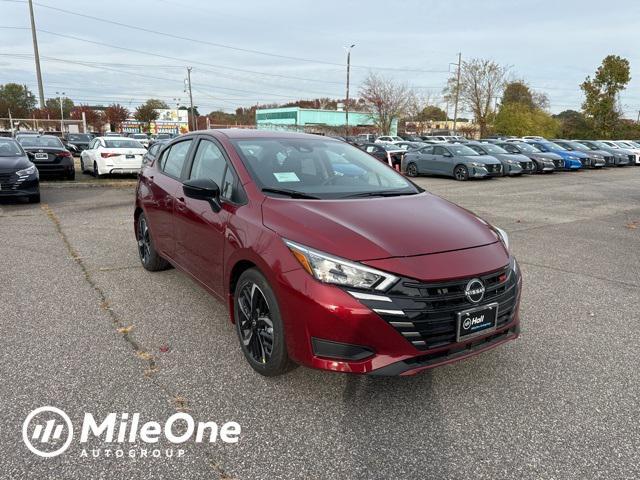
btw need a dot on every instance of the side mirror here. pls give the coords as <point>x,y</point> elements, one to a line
<point>447,154</point>
<point>203,189</point>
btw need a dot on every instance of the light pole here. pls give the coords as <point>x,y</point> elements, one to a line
<point>346,103</point>
<point>193,117</point>
<point>60,95</point>
<point>455,108</point>
<point>36,54</point>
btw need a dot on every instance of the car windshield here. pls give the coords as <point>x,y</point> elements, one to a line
<point>122,143</point>
<point>578,146</point>
<point>491,148</point>
<point>553,146</point>
<point>79,137</point>
<point>461,150</point>
<point>42,142</point>
<point>318,168</point>
<point>9,148</point>
<point>163,135</point>
<point>141,136</point>
<point>525,147</point>
<point>389,146</point>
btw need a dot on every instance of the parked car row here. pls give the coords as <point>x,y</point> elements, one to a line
<point>463,159</point>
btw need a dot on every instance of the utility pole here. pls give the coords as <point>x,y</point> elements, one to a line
<point>638,116</point>
<point>60,95</point>
<point>36,54</point>
<point>10,122</point>
<point>191,100</point>
<point>346,104</point>
<point>455,108</point>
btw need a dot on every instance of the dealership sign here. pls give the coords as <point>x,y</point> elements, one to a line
<point>49,432</point>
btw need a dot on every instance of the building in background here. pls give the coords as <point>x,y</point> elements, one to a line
<point>308,120</point>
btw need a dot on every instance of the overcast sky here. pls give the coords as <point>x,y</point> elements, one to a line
<point>553,45</point>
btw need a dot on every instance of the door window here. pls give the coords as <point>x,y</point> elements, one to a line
<point>173,159</point>
<point>439,151</point>
<point>209,163</point>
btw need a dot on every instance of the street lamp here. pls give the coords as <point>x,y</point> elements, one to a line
<point>346,105</point>
<point>60,95</point>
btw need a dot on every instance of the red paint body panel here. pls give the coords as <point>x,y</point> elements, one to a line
<point>421,237</point>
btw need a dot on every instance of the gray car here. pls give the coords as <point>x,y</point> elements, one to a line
<point>620,157</point>
<point>512,163</point>
<point>457,161</point>
<point>597,158</point>
<point>543,162</point>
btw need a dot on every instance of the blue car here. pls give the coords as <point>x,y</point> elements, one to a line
<point>573,160</point>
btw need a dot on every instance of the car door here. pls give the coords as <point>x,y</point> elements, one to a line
<point>200,231</point>
<point>441,160</point>
<point>165,183</point>
<point>85,155</point>
<point>424,160</point>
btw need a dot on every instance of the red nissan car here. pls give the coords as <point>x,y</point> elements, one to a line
<point>325,256</point>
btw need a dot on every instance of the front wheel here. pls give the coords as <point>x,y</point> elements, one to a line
<point>412,170</point>
<point>259,325</point>
<point>461,173</point>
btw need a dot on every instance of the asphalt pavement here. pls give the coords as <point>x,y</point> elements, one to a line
<point>86,329</point>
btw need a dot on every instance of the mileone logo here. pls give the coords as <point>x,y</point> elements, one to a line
<point>48,431</point>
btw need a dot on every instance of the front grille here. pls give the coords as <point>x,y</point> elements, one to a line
<point>425,314</point>
<point>8,181</point>
<point>492,168</point>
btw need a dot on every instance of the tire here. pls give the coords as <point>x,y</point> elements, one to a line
<point>461,173</point>
<point>35,198</point>
<point>259,325</point>
<point>412,170</point>
<point>72,175</point>
<point>82,169</point>
<point>536,167</point>
<point>149,258</point>
<point>96,172</point>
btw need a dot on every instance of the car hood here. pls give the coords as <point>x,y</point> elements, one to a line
<point>12,164</point>
<point>545,155</point>
<point>512,156</point>
<point>377,227</point>
<point>479,158</point>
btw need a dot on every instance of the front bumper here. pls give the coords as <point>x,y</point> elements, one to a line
<point>328,328</point>
<point>512,169</point>
<point>13,186</point>
<point>485,171</point>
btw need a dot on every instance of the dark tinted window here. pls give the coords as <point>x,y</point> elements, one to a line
<point>122,143</point>
<point>44,142</point>
<point>208,163</point>
<point>174,158</point>
<point>9,148</point>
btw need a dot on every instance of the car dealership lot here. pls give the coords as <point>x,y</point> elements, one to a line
<point>560,402</point>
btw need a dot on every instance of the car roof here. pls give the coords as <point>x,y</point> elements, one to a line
<point>246,133</point>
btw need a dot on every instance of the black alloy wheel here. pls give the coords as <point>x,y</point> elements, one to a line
<point>259,325</point>
<point>148,256</point>
<point>412,170</point>
<point>461,173</point>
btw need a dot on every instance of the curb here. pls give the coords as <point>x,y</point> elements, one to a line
<point>107,184</point>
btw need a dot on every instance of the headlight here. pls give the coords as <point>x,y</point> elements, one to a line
<point>476,164</point>
<point>504,238</point>
<point>329,269</point>
<point>513,162</point>
<point>27,171</point>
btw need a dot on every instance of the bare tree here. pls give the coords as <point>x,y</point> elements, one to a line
<point>481,83</point>
<point>385,100</point>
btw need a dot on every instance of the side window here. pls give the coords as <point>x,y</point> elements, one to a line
<point>427,150</point>
<point>371,148</point>
<point>208,163</point>
<point>153,149</point>
<point>477,149</point>
<point>438,151</point>
<point>509,148</point>
<point>227,190</point>
<point>173,159</point>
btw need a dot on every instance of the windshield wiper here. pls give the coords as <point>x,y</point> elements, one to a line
<point>381,193</point>
<point>290,193</point>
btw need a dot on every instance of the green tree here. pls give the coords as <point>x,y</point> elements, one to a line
<point>52,105</point>
<point>16,98</point>
<point>518,119</point>
<point>146,114</point>
<point>573,124</point>
<point>431,112</point>
<point>115,114</point>
<point>157,104</point>
<point>601,94</point>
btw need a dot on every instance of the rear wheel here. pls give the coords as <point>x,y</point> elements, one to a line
<point>461,173</point>
<point>96,171</point>
<point>148,256</point>
<point>259,325</point>
<point>412,170</point>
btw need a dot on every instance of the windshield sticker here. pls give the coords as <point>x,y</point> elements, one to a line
<point>286,176</point>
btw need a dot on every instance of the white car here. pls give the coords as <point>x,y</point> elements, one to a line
<point>106,155</point>
<point>388,139</point>
<point>143,138</point>
<point>633,152</point>
<point>631,145</point>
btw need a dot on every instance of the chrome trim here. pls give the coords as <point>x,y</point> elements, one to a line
<point>383,311</point>
<point>368,296</point>
<point>402,324</point>
<point>411,334</point>
<point>418,342</point>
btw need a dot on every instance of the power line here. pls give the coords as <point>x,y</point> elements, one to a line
<point>229,47</point>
